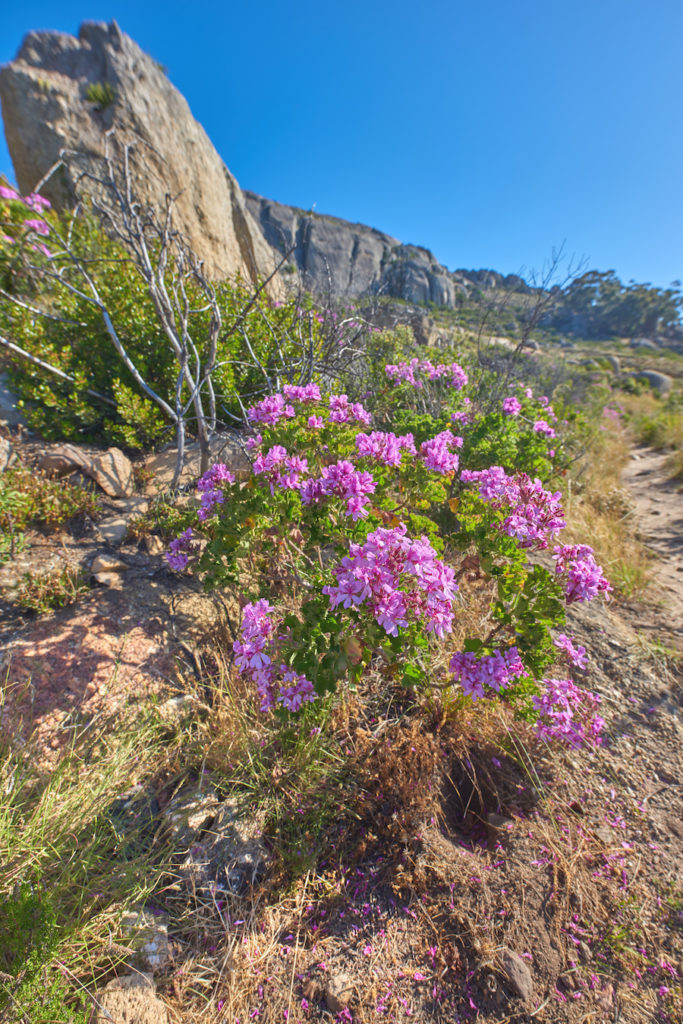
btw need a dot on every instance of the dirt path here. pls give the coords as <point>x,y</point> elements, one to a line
<point>658,509</point>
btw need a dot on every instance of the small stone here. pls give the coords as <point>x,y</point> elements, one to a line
<point>176,710</point>
<point>7,456</point>
<point>605,997</point>
<point>148,934</point>
<point>62,460</point>
<point>113,530</point>
<point>108,579</point>
<point>107,563</point>
<point>189,813</point>
<point>129,1000</point>
<point>113,472</point>
<point>586,951</point>
<point>338,992</point>
<point>154,545</point>
<point>567,981</point>
<point>517,974</point>
<point>498,828</point>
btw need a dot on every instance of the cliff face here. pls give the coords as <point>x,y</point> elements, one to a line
<point>352,260</point>
<point>63,92</point>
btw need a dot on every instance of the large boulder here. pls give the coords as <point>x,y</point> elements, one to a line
<point>661,382</point>
<point>63,92</point>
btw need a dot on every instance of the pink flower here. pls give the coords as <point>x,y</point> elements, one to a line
<point>270,410</point>
<point>179,550</point>
<point>41,227</point>
<point>568,714</point>
<point>437,453</point>
<point>511,406</point>
<point>211,487</point>
<point>8,193</point>
<point>534,514</point>
<point>342,411</point>
<point>541,427</point>
<point>385,448</point>
<point>315,422</point>
<point>576,655</point>
<point>342,480</point>
<point>399,579</point>
<point>307,393</point>
<point>583,577</point>
<point>497,671</point>
<point>37,202</point>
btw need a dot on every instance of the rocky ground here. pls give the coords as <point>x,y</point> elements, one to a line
<point>546,893</point>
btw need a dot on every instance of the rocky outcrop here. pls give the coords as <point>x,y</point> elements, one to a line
<point>63,92</point>
<point>334,256</point>
<point>352,260</point>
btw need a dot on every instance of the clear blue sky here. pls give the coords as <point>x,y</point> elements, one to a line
<point>487,130</point>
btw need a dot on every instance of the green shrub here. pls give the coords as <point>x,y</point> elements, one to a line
<point>260,342</point>
<point>102,94</point>
<point>42,592</point>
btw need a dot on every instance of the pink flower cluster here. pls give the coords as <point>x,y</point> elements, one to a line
<point>342,480</point>
<point>397,577</point>
<point>386,448</point>
<point>253,658</point>
<point>178,554</point>
<point>34,201</point>
<point>343,411</point>
<point>461,416</point>
<point>270,410</point>
<point>305,393</point>
<point>281,470</point>
<point>576,655</point>
<point>456,376</point>
<point>535,514</point>
<point>568,714</point>
<point>211,487</point>
<point>437,453</point>
<point>582,576</point>
<point>511,405</point>
<point>40,227</point>
<point>549,411</point>
<point>541,427</point>
<point>497,671</point>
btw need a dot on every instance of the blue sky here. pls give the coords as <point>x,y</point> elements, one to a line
<point>487,130</point>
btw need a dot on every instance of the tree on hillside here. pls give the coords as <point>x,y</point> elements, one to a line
<point>598,305</point>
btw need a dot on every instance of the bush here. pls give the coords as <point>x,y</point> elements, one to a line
<point>365,541</point>
<point>260,343</point>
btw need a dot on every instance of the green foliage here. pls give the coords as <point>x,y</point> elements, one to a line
<point>43,592</point>
<point>28,496</point>
<point>260,341</point>
<point>28,924</point>
<point>102,94</point>
<point>598,305</point>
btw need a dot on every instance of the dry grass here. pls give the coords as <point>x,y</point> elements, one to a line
<point>658,424</point>
<point>599,513</point>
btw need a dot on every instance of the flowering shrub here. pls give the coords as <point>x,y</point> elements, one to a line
<point>368,533</point>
